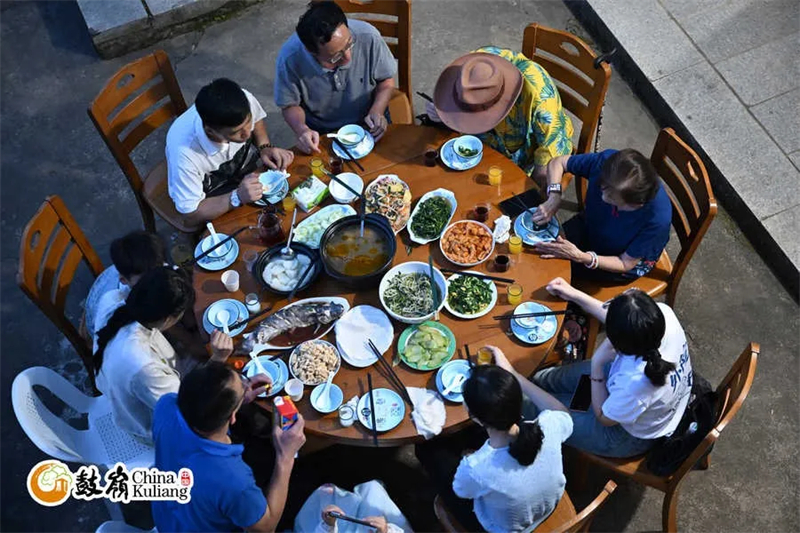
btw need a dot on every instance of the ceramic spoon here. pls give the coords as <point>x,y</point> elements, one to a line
<point>347,138</point>
<point>287,252</point>
<point>223,317</point>
<point>214,240</point>
<point>457,381</point>
<point>325,395</point>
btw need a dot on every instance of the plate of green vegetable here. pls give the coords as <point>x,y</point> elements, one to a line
<point>469,297</point>
<point>431,215</point>
<point>426,346</point>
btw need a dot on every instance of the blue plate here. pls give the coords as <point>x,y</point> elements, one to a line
<point>210,262</point>
<point>454,161</point>
<point>276,369</point>
<point>228,304</point>
<point>449,369</point>
<point>523,225</point>
<point>534,330</point>
<point>360,150</point>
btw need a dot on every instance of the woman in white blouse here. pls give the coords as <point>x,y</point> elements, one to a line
<point>641,375</point>
<point>515,479</point>
<point>134,362</point>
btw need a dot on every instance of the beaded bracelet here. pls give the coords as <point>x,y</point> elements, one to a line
<point>595,262</point>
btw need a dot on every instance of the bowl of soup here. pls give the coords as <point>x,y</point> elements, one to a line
<point>354,259</point>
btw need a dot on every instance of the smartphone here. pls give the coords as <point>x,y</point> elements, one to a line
<point>521,202</point>
<point>582,399</point>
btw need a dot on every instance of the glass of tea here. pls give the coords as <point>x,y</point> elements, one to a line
<point>485,356</point>
<point>270,227</point>
<point>481,212</point>
<point>430,158</point>
<point>336,165</point>
<point>501,263</point>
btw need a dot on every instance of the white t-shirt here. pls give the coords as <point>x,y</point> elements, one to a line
<point>642,409</point>
<point>138,368</point>
<point>509,496</point>
<point>191,155</point>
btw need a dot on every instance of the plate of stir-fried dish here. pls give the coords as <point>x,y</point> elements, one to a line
<point>389,196</point>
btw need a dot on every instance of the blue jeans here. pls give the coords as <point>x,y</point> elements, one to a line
<point>588,433</point>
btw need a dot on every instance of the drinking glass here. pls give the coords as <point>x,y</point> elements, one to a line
<point>515,294</point>
<point>515,245</point>
<point>485,356</point>
<point>495,175</point>
<point>430,158</point>
<point>481,212</point>
<point>249,258</point>
<point>336,165</point>
<point>318,167</point>
<point>270,230</point>
<point>501,263</point>
<point>288,203</point>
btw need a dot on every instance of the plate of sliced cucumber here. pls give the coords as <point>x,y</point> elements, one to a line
<point>426,346</point>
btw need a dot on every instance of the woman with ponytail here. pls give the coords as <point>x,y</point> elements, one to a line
<point>515,479</point>
<point>134,362</point>
<point>641,375</point>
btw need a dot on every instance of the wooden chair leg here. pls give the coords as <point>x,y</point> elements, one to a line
<point>669,512</point>
<point>579,480</point>
<point>704,462</point>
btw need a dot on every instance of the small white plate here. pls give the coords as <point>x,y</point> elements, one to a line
<point>480,313</point>
<point>523,222</point>
<point>360,150</point>
<point>448,372</point>
<point>389,410</point>
<point>540,331</point>
<point>217,263</point>
<point>454,161</point>
<point>276,369</point>
<point>236,309</point>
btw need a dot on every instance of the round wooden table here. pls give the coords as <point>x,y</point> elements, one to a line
<point>401,152</point>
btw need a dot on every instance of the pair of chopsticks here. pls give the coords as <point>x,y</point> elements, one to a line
<point>479,276</point>
<point>434,289</point>
<point>394,379</point>
<point>340,516</point>
<point>469,356</point>
<point>220,243</point>
<point>244,321</point>
<point>529,315</point>
<point>311,265</point>
<point>361,199</point>
<point>372,409</point>
<point>346,151</point>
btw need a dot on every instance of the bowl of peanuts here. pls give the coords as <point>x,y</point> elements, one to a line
<point>312,361</point>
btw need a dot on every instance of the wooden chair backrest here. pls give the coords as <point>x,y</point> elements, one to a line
<point>583,520</point>
<point>129,108</point>
<point>571,63</point>
<point>394,24</point>
<point>689,190</point>
<point>731,393</point>
<point>51,250</point>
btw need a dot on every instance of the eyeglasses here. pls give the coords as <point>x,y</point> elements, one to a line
<point>338,56</point>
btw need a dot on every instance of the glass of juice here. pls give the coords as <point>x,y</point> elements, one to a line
<point>515,294</point>
<point>495,175</point>
<point>515,245</point>
<point>318,167</point>
<point>288,203</point>
<point>485,356</point>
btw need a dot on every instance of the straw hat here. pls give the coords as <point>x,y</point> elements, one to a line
<point>476,91</point>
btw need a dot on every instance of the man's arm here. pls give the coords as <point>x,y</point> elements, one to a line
<point>376,117</point>
<point>307,139</point>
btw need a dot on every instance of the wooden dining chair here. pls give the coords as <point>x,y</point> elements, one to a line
<point>137,100</point>
<point>731,393</point>
<point>582,79</point>
<point>563,519</point>
<point>393,21</point>
<point>52,248</point>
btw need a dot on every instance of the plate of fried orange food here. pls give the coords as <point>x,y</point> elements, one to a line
<point>467,243</point>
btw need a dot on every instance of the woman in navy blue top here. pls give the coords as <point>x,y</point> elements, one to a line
<point>625,226</point>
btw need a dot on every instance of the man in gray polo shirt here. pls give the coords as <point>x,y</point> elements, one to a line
<point>333,72</point>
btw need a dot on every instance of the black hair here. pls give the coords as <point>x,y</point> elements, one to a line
<point>207,398</point>
<point>222,104</point>
<point>317,24</point>
<point>494,397</point>
<point>631,175</point>
<point>137,252</point>
<point>160,294</point>
<point>635,326</point>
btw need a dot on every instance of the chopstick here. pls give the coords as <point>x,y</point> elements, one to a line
<point>529,315</point>
<point>244,321</point>
<point>372,410</point>
<point>394,379</point>
<point>220,243</point>
<point>434,289</point>
<point>343,184</point>
<point>480,276</point>
<point>469,356</point>
<point>300,281</point>
<point>346,518</point>
<point>425,96</point>
<point>346,151</point>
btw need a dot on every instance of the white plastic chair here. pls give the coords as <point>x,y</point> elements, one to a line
<point>103,444</point>
<point>115,526</point>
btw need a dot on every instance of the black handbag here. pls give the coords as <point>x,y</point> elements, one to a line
<point>231,173</point>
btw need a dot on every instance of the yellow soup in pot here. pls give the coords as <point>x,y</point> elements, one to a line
<point>353,255</point>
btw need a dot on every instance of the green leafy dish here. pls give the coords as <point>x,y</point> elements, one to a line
<point>470,297</point>
<point>431,217</point>
<point>426,346</point>
<point>467,152</point>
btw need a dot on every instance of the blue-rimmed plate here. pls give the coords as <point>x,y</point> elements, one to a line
<point>360,150</point>
<point>450,371</point>
<point>454,161</point>
<point>236,312</point>
<point>210,262</point>
<point>276,369</point>
<point>524,228</point>
<point>534,330</point>
<point>389,410</point>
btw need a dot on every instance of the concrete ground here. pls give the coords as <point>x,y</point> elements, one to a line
<point>728,296</point>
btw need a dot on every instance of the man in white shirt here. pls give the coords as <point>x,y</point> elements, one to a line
<point>214,149</point>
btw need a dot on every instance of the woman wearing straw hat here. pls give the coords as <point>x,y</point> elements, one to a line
<point>509,102</point>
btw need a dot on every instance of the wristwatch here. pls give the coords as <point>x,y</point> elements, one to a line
<point>553,187</point>
<point>235,201</point>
